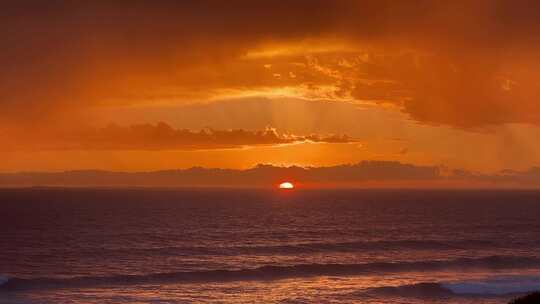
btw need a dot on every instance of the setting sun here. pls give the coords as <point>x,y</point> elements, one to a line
<point>286,185</point>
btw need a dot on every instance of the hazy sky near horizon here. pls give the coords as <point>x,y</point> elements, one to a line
<point>151,85</point>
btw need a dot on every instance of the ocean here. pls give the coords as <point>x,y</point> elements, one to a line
<point>267,246</point>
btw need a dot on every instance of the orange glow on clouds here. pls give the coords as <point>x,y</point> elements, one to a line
<point>436,88</point>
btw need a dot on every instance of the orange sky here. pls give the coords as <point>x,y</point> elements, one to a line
<point>129,86</point>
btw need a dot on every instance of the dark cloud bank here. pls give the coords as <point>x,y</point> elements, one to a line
<point>162,136</point>
<point>363,174</point>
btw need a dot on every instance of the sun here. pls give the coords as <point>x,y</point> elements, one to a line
<point>286,185</point>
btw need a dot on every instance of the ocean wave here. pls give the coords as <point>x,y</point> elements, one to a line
<point>275,272</point>
<point>419,290</point>
<point>313,247</point>
<point>494,286</point>
<point>365,245</point>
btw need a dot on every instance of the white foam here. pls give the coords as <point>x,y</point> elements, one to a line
<point>496,285</point>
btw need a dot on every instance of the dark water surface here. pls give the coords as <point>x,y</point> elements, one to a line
<point>263,246</point>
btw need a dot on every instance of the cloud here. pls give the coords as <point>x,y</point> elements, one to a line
<point>261,175</point>
<point>363,174</point>
<point>162,136</point>
<point>525,178</point>
<point>465,64</point>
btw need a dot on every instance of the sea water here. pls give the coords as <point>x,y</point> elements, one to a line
<point>267,246</point>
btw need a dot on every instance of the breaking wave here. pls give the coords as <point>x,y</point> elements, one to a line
<point>495,286</point>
